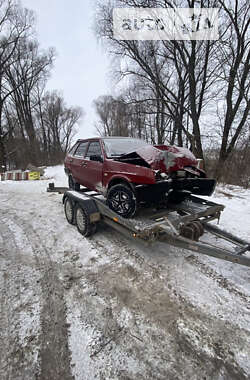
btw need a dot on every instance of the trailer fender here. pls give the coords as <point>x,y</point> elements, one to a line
<point>89,205</point>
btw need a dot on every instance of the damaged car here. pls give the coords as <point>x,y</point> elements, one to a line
<point>130,173</point>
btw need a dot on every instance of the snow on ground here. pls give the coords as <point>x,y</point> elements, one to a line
<point>52,174</point>
<point>236,216</point>
<point>109,308</point>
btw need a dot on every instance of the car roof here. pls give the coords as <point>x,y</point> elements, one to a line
<point>108,137</point>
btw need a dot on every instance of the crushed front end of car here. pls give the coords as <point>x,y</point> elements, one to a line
<point>175,169</point>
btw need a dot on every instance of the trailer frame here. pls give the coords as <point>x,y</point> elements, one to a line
<point>180,225</point>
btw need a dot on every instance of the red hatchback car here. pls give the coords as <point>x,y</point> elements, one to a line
<point>129,172</point>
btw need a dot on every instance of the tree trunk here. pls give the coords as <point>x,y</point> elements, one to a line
<point>3,156</point>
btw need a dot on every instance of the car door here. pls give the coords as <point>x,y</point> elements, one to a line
<point>78,162</point>
<point>69,158</point>
<point>94,169</point>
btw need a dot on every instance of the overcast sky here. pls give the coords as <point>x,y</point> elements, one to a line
<point>81,66</point>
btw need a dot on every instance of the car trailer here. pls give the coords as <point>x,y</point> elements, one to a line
<point>180,225</point>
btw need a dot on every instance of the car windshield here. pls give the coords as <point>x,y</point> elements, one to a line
<point>118,147</point>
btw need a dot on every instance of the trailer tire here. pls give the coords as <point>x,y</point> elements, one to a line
<point>82,221</point>
<point>121,199</point>
<point>69,210</point>
<point>73,185</point>
<point>93,228</point>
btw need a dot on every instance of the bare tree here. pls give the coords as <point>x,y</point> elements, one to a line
<point>30,68</point>
<point>234,58</point>
<point>15,23</point>
<point>113,116</point>
<point>58,125</point>
<point>177,70</point>
<point>188,80</point>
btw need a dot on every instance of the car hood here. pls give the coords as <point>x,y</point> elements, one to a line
<point>161,157</point>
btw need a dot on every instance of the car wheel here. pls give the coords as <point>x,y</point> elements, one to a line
<point>122,200</point>
<point>82,221</point>
<point>73,185</point>
<point>69,210</point>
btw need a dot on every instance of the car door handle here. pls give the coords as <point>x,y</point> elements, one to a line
<point>83,164</point>
<point>71,160</point>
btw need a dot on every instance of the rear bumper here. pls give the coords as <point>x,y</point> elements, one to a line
<point>159,191</point>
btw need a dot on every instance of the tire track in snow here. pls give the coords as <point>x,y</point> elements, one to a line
<point>54,355</point>
<point>18,319</point>
<point>204,268</point>
<point>195,337</point>
<point>222,281</point>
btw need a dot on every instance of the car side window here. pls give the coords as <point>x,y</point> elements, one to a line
<point>71,151</point>
<point>94,149</point>
<point>81,149</point>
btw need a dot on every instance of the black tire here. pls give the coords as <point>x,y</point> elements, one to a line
<point>93,228</point>
<point>73,185</point>
<point>122,200</point>
<point>69,210</point>
<point>82,222</point>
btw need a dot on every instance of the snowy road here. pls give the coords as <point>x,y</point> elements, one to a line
<point>104,308</point>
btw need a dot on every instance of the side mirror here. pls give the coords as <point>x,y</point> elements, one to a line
<point>96,157</point>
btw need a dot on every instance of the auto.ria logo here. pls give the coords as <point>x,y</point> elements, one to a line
<point>165,23</point>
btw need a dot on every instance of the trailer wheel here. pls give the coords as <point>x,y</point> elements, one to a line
<point>69,210</point>
<point>82,221</point>
<point>196,231</point>
<point>200,227</point>
<point>122,200</point>
<point>73,185</point>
